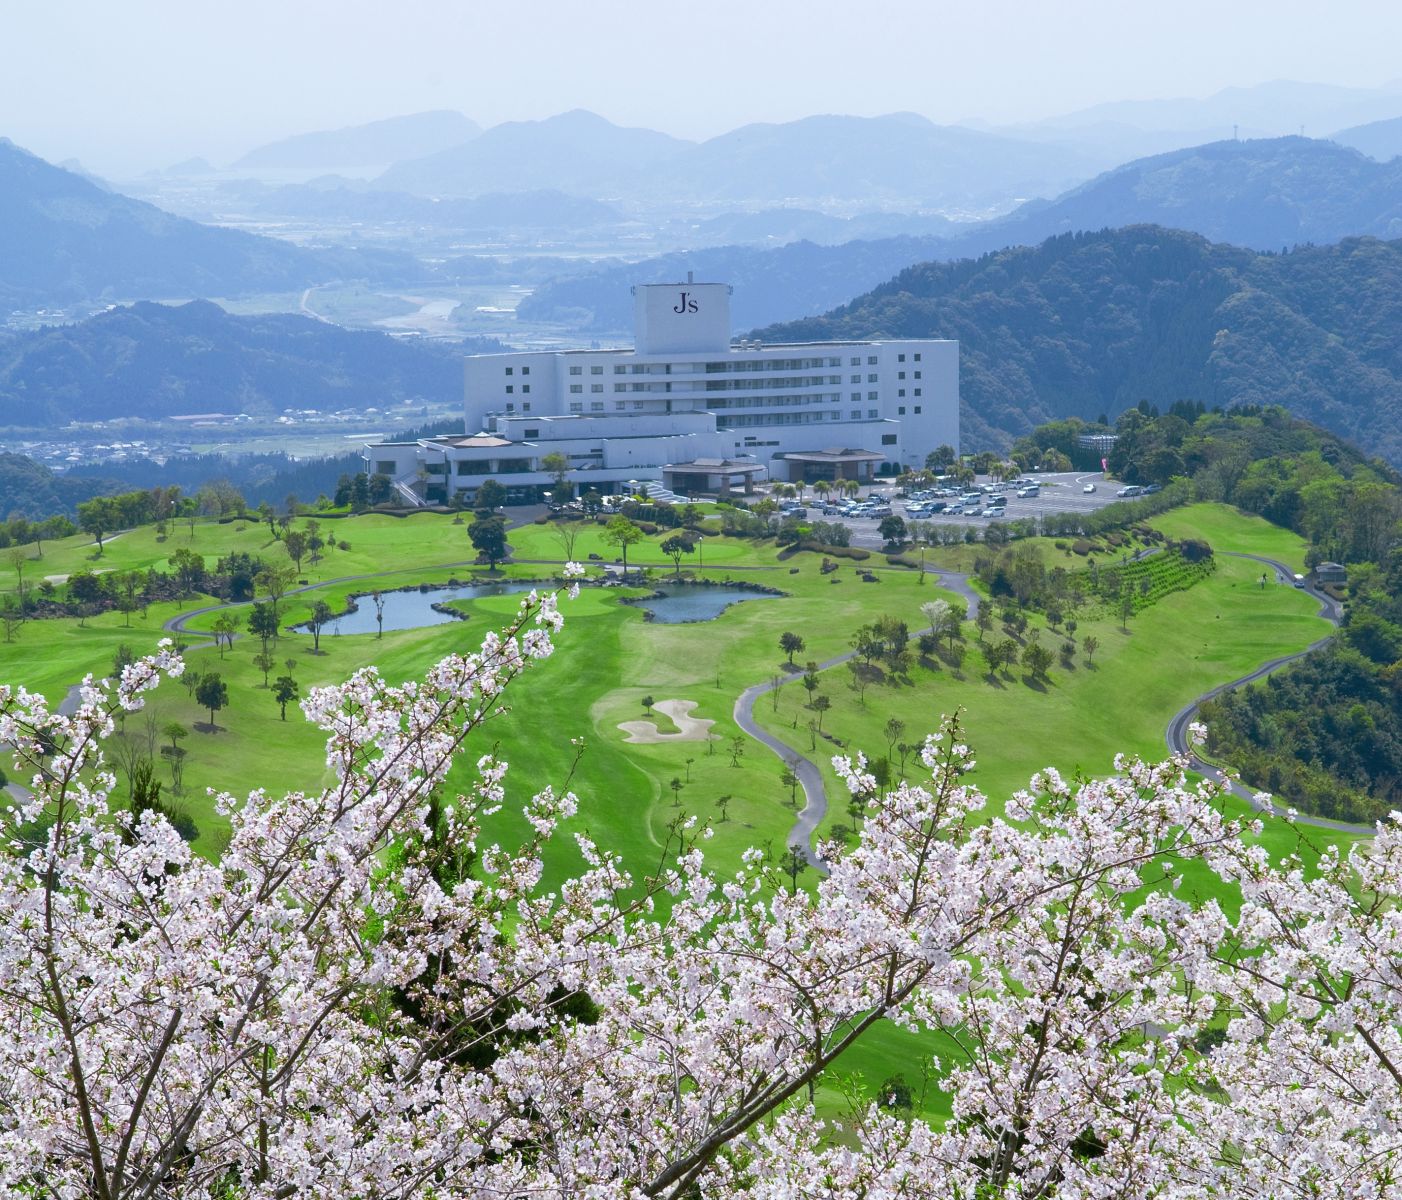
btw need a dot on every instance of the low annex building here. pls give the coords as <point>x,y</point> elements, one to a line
<point>688,407</point>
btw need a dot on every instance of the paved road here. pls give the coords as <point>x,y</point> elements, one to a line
<point>1177,735</point>
<point>810,776</point>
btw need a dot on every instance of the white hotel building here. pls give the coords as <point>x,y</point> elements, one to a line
<point>688,408</point>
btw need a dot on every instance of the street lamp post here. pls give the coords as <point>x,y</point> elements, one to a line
<point>700,553</point>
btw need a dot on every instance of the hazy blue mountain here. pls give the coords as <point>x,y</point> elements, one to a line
<point>799,279</point>
<point>1275,108</point>
<point>1120,131</point>
<point>371,145</point>
<point>1265,194</point>
<point>155,360</point>
<point>577,152</point>
<point>1091,323</point>
<point>1381,140</point>
<point>900,161</point>
<point>779,226</point>
<point>65,240</point>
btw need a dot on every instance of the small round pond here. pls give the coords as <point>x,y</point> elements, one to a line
<point>678,604</point>
<point>413,608</point>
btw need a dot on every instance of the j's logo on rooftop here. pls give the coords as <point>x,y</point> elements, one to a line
<point>686,305</point>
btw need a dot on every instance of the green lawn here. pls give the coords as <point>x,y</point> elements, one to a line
<point>1227,528</point>
<point>610,658</point>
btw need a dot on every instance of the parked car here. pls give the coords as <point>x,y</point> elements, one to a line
<point>1031,489</point>
<point>1132,490</point>
<point>1152,488</point>
<point>994,510</point>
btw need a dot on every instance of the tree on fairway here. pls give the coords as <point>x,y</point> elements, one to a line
<point>212,692</point>
<point>793,863</point>
<point>676,546</point>
<point>275,581</point>
<point>225,626</point>
<point>722,803</point>
<point>265,663</point>
<point>790,781</point>
<point>1037,659</point>
<point>791,644</point>
<point>285,690</point>
<point>321,614</point>
<point>892,530</point>
<point>294,541</point>
<point>567,534</point>
<point>676,786</point>
<point>647,703</point>
<point>621,533</point>
<point>1089,645</point>
<point>379,601</point>
<point>821,704</point>
<point>262,623</point>
<point>97,517</point>
<point>488,537</point>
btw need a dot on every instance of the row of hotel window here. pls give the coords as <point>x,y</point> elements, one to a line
<point>598,406</point>
<point>759,364</point>
<point>737,385</point>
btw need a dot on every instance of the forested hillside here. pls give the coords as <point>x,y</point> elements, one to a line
<point>155,360</point>
<point>1090,324</point>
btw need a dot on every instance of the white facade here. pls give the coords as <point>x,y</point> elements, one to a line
<point>686,393</point>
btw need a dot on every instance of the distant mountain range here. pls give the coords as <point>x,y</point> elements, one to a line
<point>1091,323</point>
<point>1381,140</point>
<point>898,161</point>
<point>376,144</point>
<point>1264,194</point>
<point>157,361</point>
<point>65,240</point>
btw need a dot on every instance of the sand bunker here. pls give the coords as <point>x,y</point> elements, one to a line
<point>692,729</point>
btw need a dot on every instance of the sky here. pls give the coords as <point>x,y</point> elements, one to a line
<point>139,84</point>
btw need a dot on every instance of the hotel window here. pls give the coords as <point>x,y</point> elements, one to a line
<point>508,370</point>
<point>619,405</point>
<point>596,387</point>
<point>525,370</point>
<point>620,387</point>
<point>900,358</point>
<point>510,408</point>
<point>856,396</point>
<point>900,412</point>
<point>900,374</point>
<point>900,391</point>
<point>620,370</point>
<point>917,358</point>
<point>526,407</point>
<point>576,406</point>
<point>871,412</point>
<point>576,387</point>
<point>509,389</point>
<point>871,360</point>
<point>871,378</point>
<point>576,370</point>
<point>917,391</point>
<point>888,439</point>
<point>596,406</point>
<point>525,387</point>
<point>532,433</point>
<point>873,396</point>
<point>917,374</point>
<point>856,414</point>
<point>917,410</point>
<point>856,379</point>
<point>638,406</point>
<point>856,362</point>
<point>596,370</point>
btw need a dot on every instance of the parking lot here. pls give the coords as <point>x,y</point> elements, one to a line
<point>1059,493</point>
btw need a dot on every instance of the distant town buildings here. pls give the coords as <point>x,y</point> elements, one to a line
<point>688,408</point>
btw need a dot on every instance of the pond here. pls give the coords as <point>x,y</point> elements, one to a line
<point>678,604</point>
<point>413,609</point>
